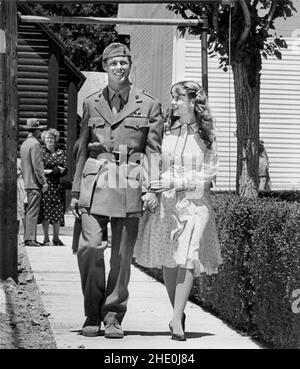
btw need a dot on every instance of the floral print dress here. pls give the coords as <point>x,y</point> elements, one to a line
<point>52,203</point>
<point>182,231</point>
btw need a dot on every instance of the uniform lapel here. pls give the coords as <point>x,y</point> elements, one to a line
<point>131,106</point>
<point>103,107</point>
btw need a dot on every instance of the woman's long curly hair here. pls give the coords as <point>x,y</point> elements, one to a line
<point>203,116</point>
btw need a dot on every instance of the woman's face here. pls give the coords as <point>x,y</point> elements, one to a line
<point>182,105</point>
<point>49,140</point>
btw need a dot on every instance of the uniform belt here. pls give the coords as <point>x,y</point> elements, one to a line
<point>117,156</point>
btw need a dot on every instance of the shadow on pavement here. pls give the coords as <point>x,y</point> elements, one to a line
<point>167,333</point>
<point>188,335</point>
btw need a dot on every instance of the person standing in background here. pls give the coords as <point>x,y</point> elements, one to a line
<point>34,179</point>
<point>263,168</point>
<point>52,203</point>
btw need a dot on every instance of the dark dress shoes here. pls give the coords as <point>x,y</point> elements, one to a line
<point>57,242</point>
<point>91,326</point>
<point>33,243</point>
<point>113,330</point>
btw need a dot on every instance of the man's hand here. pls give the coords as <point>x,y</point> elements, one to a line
<point>45,187</point>
<point>149,201</point>
<point>166,184</point>
<point>74,207</point>
<point>161,185</point>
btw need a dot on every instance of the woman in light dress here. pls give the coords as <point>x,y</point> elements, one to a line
<point>180,236</point>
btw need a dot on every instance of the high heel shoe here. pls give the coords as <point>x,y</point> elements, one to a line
<point>176,337</point>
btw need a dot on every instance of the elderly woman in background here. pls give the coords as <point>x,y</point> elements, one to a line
<point>52,204</point>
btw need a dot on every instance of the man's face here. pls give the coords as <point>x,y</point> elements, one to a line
<point>118,69</point>
<point>37,133</point>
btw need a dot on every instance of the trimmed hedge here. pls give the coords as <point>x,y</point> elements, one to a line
<point>290,196</point>
<point>261,251</point>
<point>283,195</point>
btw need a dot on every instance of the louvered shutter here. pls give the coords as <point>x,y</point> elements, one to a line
<point>32,76</point>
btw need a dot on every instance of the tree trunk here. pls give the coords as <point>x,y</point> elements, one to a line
<point>247,92</point>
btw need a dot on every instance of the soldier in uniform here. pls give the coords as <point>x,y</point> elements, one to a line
<point>121,126</point>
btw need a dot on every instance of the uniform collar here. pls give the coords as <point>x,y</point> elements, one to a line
<point>124,93</point>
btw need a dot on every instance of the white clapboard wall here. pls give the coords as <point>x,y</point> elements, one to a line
<point>151,49</point>
<point>161,58</point>
<point>279,106</point>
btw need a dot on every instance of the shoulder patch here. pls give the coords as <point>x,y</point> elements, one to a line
<point>98,93</point>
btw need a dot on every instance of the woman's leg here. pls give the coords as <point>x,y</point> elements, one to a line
<point>184,283</point>
<point>170,278</point>
<point>56,231</point>
<point>46,230</point>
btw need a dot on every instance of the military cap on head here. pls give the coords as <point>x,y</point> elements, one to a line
<point>115,49</point>
<point>32,124</point>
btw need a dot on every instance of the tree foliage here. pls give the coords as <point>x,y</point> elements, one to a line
<point>84,43</point>
<point>241,32</point>
<point>250,24</point>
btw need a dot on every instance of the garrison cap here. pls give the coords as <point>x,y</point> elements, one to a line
<point>115,49</point>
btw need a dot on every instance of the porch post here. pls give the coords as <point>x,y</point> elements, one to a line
<point>8,140</point>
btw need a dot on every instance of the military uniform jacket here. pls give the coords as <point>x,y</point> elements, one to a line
<point>111,152</point>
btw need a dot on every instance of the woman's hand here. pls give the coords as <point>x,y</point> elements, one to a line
<point>61,169</point>
<point>150,202</point>
<point>48,171</point>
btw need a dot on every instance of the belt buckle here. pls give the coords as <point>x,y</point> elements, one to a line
<point>116,155</point>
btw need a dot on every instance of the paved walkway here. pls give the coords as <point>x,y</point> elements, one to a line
<point>146,322</point>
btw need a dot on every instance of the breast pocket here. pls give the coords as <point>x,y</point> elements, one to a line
<point>136,130</point>
<point>97,126</point>
<point>96,123</point>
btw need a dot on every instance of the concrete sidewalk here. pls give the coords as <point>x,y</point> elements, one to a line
<point>149,312</point>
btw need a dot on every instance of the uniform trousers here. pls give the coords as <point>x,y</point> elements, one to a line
<point>106,300</point>
<point>32,213</point>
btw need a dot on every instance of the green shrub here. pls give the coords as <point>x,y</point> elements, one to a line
<point>289,196</point>
<point>225,292</point>
<point>275,273</point>
<point>265,262</point>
